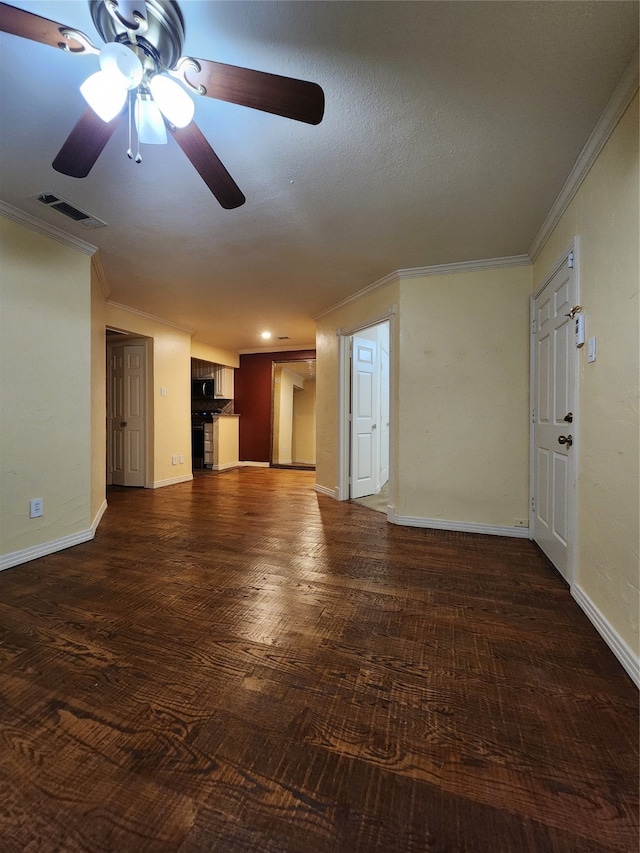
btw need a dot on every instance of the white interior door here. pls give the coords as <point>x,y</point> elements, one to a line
<point>384,414</point>
<point>554,418</point>
<point>364,383</point>
<point>126,415</point>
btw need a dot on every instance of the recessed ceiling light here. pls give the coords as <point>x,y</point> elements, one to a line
<point>265,335</point>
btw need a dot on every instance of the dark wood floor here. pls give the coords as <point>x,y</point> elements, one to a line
<point>240,664</point>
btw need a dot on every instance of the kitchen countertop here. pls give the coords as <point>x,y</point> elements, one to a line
<point>216,414</point>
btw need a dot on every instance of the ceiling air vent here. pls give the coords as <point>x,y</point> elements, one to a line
<point>282,337</point>
<point>81,217</point>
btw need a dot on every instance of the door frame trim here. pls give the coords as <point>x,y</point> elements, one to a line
<point>344,397</point>
<point>572,509</point>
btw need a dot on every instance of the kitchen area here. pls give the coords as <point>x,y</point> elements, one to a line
<point>214,425</point>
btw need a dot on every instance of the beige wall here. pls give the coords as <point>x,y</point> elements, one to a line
<point>169,414</point>
<point>460,347</point>
<point>215,355</point>
<point>282,415</point>
<point>604,217</point>
<point>303,449</point>
<point>45,388</point>
<point>367,310</point>
<point>98,397</point>
<point>285,382</point>
<point>463,435</point>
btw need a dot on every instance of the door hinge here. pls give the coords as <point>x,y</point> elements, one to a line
<point>533,504</point>
<point>533,327</point>
<point>570,260</point>
<point>533,416</point>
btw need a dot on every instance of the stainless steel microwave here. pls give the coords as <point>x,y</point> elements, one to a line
<point>202,389</point>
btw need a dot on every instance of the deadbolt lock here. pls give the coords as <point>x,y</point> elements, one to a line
<point>568,417</point>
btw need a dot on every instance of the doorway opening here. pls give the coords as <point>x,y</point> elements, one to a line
<point>128,409</point>
<point>365,412</point>
<point>293,421</point>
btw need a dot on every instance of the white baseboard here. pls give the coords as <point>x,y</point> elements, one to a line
<point>256,464</point>
<point>98,518</point>
<point>323,490</point>
<point>159,484</point>
<point>627,657</point>
<point>461,526</point>
<point>225,466</point>
<point>15,558</point>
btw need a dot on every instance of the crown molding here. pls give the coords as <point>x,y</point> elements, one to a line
<point>613,112</point>
<point>101,277</point>
<point>41,227</point>
<point>146,316</point>
<point>391,278</point>
<point>269,349</point>
<point>422,272</point>
<point>466,266</point>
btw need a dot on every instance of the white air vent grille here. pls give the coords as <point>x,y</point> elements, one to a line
<point>79,216</point>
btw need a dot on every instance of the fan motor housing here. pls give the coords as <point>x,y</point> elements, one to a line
<point>164,33</point>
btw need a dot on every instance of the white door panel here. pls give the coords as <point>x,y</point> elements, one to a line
<point>554,402</point>
<point>127,415</point>
<point>363,408</point>
<point>384,415</point>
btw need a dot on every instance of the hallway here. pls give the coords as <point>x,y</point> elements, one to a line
<point>238,663</point>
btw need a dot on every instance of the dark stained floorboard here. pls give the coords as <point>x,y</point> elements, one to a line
<point>240,664</point>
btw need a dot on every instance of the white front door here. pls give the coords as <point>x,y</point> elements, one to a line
<point>384,414</point>
<point>554,418</point>
<point>364,381</point>
<point>126,415</point>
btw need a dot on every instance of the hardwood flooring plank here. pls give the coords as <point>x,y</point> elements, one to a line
<point>240,664</point>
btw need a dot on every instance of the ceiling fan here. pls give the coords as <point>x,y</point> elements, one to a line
<point>140,63</point>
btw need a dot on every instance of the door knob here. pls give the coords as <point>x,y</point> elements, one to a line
<point>568,417</point>
<point>565,439</point>
<point>123,423</point>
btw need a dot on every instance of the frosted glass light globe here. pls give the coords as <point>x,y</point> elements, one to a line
<point>172,99</point>
<point>105,99</point>
<point>149,122</point>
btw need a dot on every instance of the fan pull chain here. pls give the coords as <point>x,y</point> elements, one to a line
<point>129,151</point>
<point>138,157</point>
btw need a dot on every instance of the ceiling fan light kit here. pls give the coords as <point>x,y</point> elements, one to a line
<point>144,43</point>
<point>121,64</point>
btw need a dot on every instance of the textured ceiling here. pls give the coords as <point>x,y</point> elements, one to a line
<point>450,128</point>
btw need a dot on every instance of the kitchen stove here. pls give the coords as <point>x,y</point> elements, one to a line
<point>199,453</point>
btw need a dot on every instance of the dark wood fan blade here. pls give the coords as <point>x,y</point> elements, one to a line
<point>84,145</point>
<point>208,165</point>
<point>30,26</point>
<point>283,96</point>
